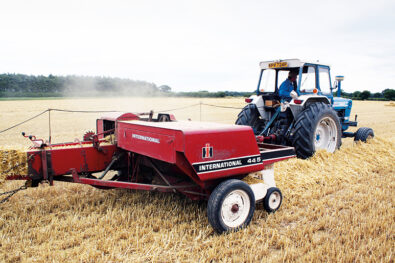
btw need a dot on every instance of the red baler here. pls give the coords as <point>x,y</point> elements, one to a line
<point>198,159</point>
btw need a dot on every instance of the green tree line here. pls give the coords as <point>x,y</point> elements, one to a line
<point>387,94</point>
<point>20,85</point>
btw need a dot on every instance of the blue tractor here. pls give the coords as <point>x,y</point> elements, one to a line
<point>311,119</point>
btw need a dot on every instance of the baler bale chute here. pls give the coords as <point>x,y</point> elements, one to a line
<point>203,161</point>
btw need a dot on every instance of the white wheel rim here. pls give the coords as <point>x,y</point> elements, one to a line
<point>274,200</point>
<point>235,208</point>
<point>325,136</point>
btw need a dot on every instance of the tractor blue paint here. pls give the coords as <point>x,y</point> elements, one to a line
<point>341,105</point>
<point>259,82</point>
<point>274,117</point>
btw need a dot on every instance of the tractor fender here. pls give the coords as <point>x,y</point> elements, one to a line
<point>259,103</point>
<point>306,100</point>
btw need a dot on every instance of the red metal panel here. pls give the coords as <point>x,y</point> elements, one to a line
<point>118,116</point>
<point>83,159</point>
<point>148,141</point>
<point>114,116</point>
<point>226,149</point>
<point>223,153</point>
<point>100,128</point>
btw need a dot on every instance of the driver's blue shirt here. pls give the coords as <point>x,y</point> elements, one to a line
<point>285,89</point>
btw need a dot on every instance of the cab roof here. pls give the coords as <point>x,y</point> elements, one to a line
<point>286,63</point>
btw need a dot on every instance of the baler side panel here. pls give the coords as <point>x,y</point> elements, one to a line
<point>148,141</point>
<point>83,159</point>
<point>223,153</point>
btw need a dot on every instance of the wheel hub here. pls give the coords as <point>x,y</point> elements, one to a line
<point>235,208</point>
<point>326,134</point>
<point>274,200</point>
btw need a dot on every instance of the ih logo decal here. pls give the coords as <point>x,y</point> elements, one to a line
<point>207,151</point>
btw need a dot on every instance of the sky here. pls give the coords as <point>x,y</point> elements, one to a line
<point>198,45</point>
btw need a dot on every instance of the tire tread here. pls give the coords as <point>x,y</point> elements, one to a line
<point>305,125</point>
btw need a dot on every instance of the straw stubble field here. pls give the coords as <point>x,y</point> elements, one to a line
<point>337,207</point>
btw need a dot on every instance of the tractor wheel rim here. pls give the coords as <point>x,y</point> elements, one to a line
<point>325,136</point>
<point>274,200</point>
<point>235,208</point>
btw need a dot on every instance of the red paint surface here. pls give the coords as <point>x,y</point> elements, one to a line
<point>189,138</point>
<point>83,159</point>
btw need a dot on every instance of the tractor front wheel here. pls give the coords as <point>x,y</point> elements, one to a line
<point>317,127</point>
<point>363,134</point>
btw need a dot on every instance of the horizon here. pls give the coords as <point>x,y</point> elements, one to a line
<point>90,87</point>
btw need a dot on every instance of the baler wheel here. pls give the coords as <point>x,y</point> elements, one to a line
<point>272,200</point>
<point>231,206</point>
<point>363,134</point>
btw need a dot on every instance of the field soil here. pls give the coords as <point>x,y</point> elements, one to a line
<point>336,207</point>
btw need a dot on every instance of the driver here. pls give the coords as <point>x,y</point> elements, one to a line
<point>287,86</point>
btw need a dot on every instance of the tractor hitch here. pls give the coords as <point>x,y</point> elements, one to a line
<point>267,139</point>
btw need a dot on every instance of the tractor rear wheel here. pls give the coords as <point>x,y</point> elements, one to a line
<point>363,134</point>
<point>317,127</point>
<point>250,116</point>
<point>231,206</point>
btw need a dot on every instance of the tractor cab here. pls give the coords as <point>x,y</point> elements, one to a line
<point>312,78</point>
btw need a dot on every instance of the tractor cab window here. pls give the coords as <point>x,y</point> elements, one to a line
<point>268,81</point>
<point>308,79</point>
<point>282,76</point>
<point>325,82</point>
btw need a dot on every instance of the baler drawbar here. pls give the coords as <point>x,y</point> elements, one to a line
<point>204,161</point>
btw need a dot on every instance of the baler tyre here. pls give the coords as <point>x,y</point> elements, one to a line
<point>316,127</point>
<point>250,116</point>
<point>363,134</point>
<point>231,206</point>
<point>272,200</point>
